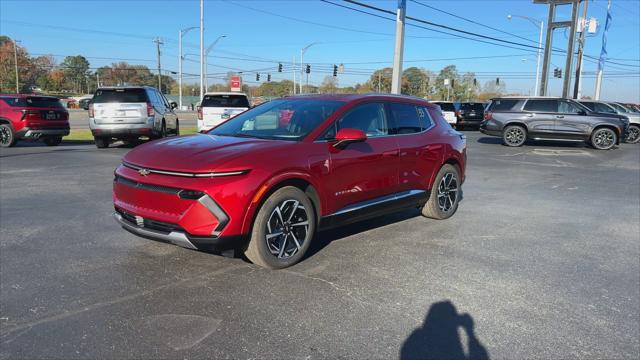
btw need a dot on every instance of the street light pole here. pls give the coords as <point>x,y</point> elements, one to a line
<point>302,51</point>
<point>180,58</point>
<point>540,24</point>
<point>201,49</point>
<point>206,58</point>
<point>396,78</point>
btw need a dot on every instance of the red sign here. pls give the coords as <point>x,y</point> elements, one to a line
<point>235,83</point>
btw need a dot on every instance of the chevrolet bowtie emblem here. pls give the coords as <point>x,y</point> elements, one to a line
<point>144,172</point>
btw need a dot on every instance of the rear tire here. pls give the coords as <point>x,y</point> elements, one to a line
<point>604,139</point>
<point>514,136</point>
<point>7,137</point>
<point>101,142</point>
<point>52,140</point>
<point>445,194</point>
<point>282,230</point>
<point>633,135</point>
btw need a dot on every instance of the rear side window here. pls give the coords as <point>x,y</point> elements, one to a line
<point>603,108</point>
<point>502,104</point>
<point>120,96</point>
<point>405,119</point>
<point>239,101</point>
<point>447,106</point>
<point>478,107</point>
<point>33,101</point>
<point>541,105</point>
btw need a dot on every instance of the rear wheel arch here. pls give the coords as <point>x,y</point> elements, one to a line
<point>6,121</point>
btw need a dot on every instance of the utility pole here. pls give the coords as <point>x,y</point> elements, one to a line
<point>15,60</point>
<point>293,70</point>
<point>159,42</point>
<point>581,40</point>
<point>379,80</point>
<point>201,49</point>
<point>396,79</point>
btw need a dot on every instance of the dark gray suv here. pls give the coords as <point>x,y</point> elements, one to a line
<point>517,119</point>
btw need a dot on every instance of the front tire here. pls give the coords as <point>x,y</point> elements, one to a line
<point>445,194</point>
<point>7,137</point>
<point>53,140</point>
<point>604,139</point>
<point>633,136</point>
<point>514,136</point>
<point>282,230</point>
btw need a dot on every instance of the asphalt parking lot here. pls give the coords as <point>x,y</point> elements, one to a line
<point>541,261</point>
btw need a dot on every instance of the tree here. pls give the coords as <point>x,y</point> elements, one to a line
<point>491,89</point>
<point>76,70</point>
<point>8,66</point>
<point>329,85</point>
<point>415,82</point>
<point>380,80</point>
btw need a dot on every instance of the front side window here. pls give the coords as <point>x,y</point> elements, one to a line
<point>567,107</point>
<point>279,119</point>
<point>541,106</point>
<point>603,108</point>
<point>405,119</point>
<point>369,118</point>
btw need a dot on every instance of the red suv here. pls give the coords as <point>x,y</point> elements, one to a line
<point>32,117</point>
<point>265,185</point>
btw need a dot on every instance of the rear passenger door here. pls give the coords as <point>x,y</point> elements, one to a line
<point>420,154</point>
<point>540,116</point>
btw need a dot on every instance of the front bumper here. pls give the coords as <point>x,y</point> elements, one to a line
<point>172,234</point>
<point>36,133</point>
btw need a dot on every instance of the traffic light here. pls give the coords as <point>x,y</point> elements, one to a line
<point>557,72</point>
<point>497,81</point>
<point>335,70</point>
<point>280,67</point>
<point>257,77</point>
<point>308,69</point>
<point>453,83</point>
<point>268,77</point>
<point>475,82</point>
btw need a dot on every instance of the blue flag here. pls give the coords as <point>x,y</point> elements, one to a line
<point>603,51</point>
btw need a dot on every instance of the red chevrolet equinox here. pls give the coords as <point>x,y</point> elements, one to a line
<point>267,179</point>
<point>32,117</point>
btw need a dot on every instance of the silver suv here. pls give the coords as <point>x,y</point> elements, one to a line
<point>130,112</point>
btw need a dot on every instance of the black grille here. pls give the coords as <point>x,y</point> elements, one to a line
<point>150,187</point>
<point>150,224</point>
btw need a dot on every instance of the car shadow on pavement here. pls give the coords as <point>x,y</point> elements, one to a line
<point>325,237</point>
<point>439,338</point>
<point>542,143</point>
<point>490,140</point>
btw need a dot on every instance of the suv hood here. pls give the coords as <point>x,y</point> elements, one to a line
<point>199,153</point>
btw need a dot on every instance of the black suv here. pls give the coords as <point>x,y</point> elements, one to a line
<point>517,119</point>
<point>470,114</point>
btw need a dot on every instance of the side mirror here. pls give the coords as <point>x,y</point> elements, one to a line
<point>85,106</point>
<point>582,112</point>
<point>347,136</point>
<point>173,105</point>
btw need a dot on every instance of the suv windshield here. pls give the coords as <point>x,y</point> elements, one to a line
<point>239,101</point>
<point>279,119</point>
<point>446,106</point>
<point>133,95</point>
<point>33,101</point>
<point>478,107</point>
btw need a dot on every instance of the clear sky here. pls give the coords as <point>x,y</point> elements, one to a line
<point>262,32</point>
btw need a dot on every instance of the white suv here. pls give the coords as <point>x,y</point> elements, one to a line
<point>448,109</point>
<point>217,107</point>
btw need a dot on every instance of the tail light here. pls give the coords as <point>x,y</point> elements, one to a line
<point>91,112</point>
<point>150,111</point>
<point>199,112</point>
<point>28,114</point>
<point>487,115</point>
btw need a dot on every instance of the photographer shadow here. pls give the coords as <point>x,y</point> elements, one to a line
<point>438,338</point>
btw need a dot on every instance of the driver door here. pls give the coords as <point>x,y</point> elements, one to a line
<point>365,171</point>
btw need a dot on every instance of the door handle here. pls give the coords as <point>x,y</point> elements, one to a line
<point>391,153</point>
<point>560,116</point>
<point>529,115</point>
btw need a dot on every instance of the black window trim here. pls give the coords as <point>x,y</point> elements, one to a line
<point>321,139</point>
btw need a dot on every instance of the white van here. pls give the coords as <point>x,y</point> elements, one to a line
<point>217,107</point>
